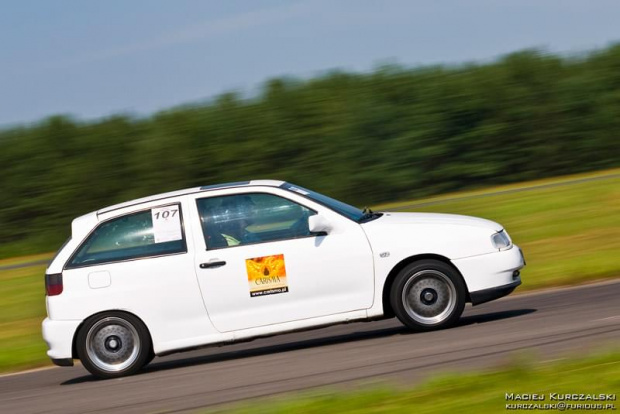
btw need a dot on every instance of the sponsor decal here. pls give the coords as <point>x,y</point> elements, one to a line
<point>266,275</point>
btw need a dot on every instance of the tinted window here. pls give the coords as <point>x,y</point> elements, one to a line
<point>251,218</point>
<point>133,236</point>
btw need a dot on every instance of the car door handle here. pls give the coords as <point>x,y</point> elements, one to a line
<point>209,265</point>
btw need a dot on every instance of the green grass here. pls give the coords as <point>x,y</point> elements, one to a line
<point>22,309</point>
<point>25,259</point>
<point>481,392</point>
<point>570,234</point>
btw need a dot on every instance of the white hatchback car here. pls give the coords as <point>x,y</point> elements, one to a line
<point>229,262</point>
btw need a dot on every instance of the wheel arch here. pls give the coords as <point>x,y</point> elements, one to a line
<point>74,353</point>
<point>387,286</point>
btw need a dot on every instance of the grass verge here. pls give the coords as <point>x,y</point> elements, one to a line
<point>22,260</point>
<point>482,392</point>
<point>22,309</point>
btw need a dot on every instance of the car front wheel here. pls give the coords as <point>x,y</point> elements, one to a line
<point>113,344</point>
<point>428,295</point>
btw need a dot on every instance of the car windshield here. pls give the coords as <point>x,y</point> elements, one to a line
<point>339,207</point>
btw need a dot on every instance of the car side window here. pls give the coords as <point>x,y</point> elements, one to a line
<point>152,232</point>
<point>251,218</point>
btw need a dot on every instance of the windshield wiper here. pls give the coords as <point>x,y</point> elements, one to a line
<point>368,215</point>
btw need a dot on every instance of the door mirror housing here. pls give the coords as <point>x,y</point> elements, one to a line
<point>318,225</point>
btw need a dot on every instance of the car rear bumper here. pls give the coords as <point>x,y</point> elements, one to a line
<point>491,276</point>
<point>58,336</point>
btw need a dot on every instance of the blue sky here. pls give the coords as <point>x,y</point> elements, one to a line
<point>93,59</point>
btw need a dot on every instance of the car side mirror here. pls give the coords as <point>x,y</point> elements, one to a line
<point>318,225</point>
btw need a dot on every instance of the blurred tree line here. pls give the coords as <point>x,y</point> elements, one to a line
<point>393,134</point>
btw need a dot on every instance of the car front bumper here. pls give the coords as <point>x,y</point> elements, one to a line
<point>486,295</point>
<point>58,336</point>
<point>491,276</point>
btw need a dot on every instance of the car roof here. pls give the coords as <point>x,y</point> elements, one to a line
<point>178,193</point>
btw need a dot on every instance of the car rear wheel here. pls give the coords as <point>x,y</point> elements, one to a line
<point>113,345</point>
<point>428,295</point>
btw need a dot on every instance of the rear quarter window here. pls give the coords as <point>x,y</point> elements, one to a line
<point>133,236</point>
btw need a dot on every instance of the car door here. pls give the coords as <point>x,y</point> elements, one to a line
<point>257,264</point>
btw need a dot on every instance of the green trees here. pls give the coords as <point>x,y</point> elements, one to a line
<point>365,138</point>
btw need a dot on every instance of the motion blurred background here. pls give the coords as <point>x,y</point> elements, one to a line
<point>366,101</point>
<point>444,106</point>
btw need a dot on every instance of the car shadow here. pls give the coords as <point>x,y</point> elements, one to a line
<point>305,344</point>
<point>493,316</point>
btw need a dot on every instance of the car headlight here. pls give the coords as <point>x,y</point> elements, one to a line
<point>501,240</point>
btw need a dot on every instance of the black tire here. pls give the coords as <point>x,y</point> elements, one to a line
<point>113,344</point>
<point>149,359</point>
<point>428,295</point>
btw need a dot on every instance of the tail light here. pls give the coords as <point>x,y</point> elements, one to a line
<point>53,284</point>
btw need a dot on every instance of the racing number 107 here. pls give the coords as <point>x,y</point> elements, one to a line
<point>165,214</point>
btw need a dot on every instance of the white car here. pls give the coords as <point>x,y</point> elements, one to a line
<point>223,263</point>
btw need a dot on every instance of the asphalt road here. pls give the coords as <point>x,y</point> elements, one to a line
<point>553,324</point>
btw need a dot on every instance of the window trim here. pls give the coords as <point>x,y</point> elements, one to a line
<point>61,249</point>
<point>202,228</point>
<point>69,266</point>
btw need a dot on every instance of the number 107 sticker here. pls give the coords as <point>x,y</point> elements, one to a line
<point>166,224</point>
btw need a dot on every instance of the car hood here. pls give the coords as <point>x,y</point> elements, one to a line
<point>389,218</point>
<point>447,235</point>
